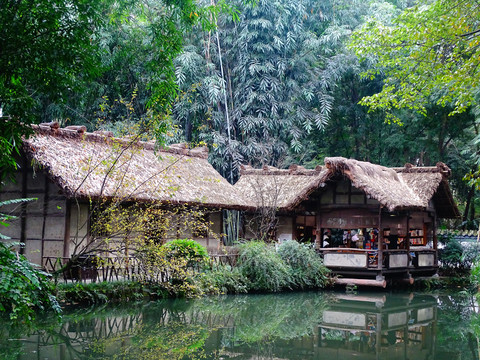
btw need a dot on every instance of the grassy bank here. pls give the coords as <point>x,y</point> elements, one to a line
<point>260,268</point>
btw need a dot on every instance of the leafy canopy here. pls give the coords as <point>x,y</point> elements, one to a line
<point>430,52</point>
<point>52,51</point>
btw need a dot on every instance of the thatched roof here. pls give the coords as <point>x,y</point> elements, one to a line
<point>395,188</point>
<point>97,165</point>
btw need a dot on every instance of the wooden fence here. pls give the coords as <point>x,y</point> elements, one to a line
<point>95,269</point>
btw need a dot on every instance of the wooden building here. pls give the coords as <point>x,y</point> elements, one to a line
<point>370,223</point>
<point>69,169</point>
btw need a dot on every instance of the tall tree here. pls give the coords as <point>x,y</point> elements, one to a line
<point>430,52</point>
<point>72,55</point>
<point>279,74</point>
<point>43,44</point>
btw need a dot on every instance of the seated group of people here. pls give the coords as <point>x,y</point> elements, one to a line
<point>361,239</point>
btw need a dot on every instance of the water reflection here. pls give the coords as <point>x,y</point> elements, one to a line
<point>285,326</point>
<point>372,327</point>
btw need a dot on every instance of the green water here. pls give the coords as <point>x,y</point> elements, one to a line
<point>314,325</point>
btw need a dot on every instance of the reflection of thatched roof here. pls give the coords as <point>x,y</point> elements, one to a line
<point>94,165</point>
<point>395,188</point>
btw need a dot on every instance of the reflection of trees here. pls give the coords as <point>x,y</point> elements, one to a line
<point>257,318</point>
<point>173,329</point>
<point>454,335</point>
<point>264,325</point>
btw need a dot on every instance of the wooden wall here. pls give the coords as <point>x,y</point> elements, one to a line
<point>40,224</point>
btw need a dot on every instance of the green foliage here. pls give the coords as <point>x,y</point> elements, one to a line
<point>451,255</point>
<point>45,44</point>
<point>257,87</point>
<point>306,266</point>
<point>222,279</point>
<point>172,273</point>
<point>422,65</point>
<point>292,266</point>
<point>64,59</point>
<point>108,292</point>
<point>475,273</point>
<point>455,259</point>
<point>23,288</point>
<point>195,254</point>
<point>263,267</point>
<point>5,218</point>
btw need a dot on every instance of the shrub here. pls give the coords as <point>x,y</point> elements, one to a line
<point>222,279</point>
<point>195,254</point>
<point>475,273</point>
<point>23,288</point>
<point>306,266</point>
<point>263,267</point>
<point>109,292</point>
<point>455,259</point>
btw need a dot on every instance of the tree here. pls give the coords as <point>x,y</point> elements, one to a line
<point>264,82</point>
<point>50,51</point>
<point>429,52</point>
<point>43,44</point>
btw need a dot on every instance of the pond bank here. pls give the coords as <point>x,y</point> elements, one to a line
<point>131,291</point>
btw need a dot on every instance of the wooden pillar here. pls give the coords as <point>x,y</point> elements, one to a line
<point>380,239</point>
<point>318,231</point>
<point>46,199</point>
<point>294,227</point>
<point>435,240</point>
<point>318,227</point>
<point>407,237</point>
<point>23,214</point>
<point>66,234</point>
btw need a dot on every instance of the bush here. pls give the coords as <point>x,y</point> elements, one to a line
<point>107,292</point>
<point>455,259</point>
<point>222,279</point>
<point>195,254</point>
<point>263,267</point>
<point>475,273</point>
<point>306,266</point>
<point>23,288</point>
<point>172,266</point>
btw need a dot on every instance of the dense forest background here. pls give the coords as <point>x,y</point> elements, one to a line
<point>266,82</point>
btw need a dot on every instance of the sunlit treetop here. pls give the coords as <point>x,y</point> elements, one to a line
<point>429,53</point>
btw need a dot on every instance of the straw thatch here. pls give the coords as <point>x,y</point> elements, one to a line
<point>97,165</point>
<point>394,188</point>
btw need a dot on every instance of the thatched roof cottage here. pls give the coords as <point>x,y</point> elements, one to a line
<point>68,168</point>
<point>369,221</point>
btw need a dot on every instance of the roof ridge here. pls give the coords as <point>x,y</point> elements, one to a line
<point>440,167</point>
<point>271,170</point>
<point>80,132</point>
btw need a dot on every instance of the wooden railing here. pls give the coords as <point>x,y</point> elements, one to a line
<point>94,269</point>
<point>372,255</point>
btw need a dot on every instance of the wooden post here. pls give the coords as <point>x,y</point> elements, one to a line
<point>23,216</point>
<point>407,237</point>
<point>435,240</point>
<point>294,227</point>
<point>66,234</point>
<point>46,200</point>
<point>380,239</point>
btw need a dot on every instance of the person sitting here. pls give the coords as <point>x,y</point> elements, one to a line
<point>393,240</point>
<point>326,239</point>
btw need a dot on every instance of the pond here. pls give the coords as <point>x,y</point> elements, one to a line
<point>311,325</point>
